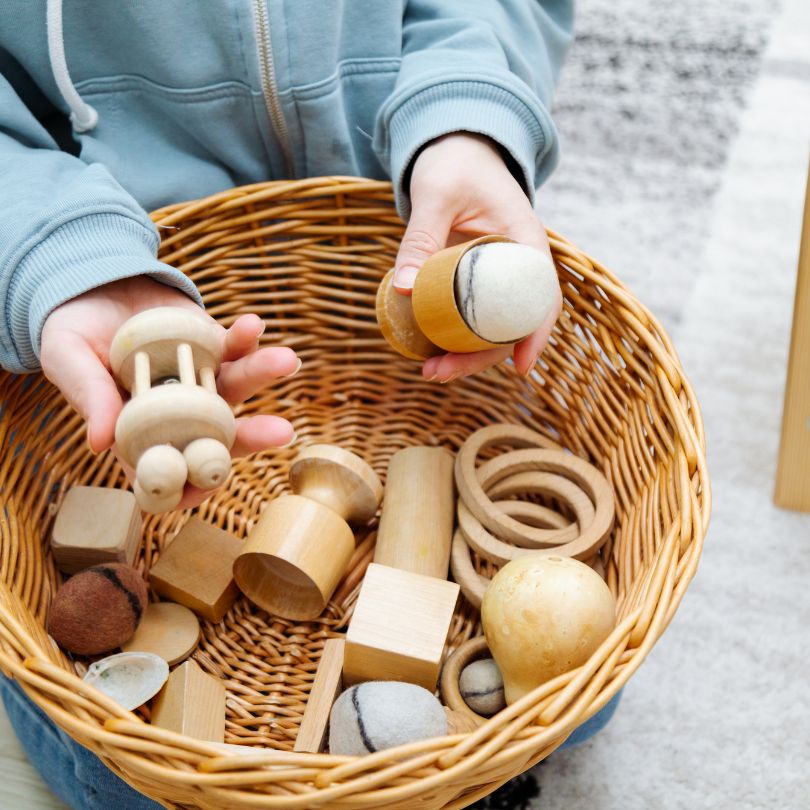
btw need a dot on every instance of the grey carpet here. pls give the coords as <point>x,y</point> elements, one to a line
<point>718,717</point>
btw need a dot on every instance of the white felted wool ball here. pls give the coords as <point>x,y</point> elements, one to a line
<point>481,686</point>
<point>383,714</point>
<point>504,290</point>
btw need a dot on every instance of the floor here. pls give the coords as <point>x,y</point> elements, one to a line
<point>693,195</point>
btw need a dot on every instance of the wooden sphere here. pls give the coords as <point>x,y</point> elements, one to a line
<point>544,616</point>
<point>159,332</point>
<point>208,461</point>
<point>161,471</point>
<point>155,505</point>
<point>337,479</point>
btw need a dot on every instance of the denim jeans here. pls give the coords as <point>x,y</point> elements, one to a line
<point>82,781</point>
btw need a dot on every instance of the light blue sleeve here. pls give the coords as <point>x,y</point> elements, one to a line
<point>484,66</point>
<point>65,228</point>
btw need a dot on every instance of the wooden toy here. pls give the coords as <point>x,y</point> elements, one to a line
<point>470,297</point>
<point>176,427</point>
<point>168,630</point>
<point>192,703</point>
<point>98,609</point>
<point>416,523</point>
<point>383,714</point>
<point>129,678</point>
<point>95,525</point>
<point>458,723</point>
<point>481,686</point>
<point>399,627</point>
<point>196,570</point>
<point>325,689</point>
<point>298,550</point>
<point>473,649</point>
<point>543,616</point>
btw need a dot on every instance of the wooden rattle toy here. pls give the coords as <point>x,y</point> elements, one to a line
<point>95,525</point>
<point>168,630</point>
<point>176,427</point>
<point>192,703</point>
<point>196,570</point>
<point>544,616</point>
<point>403,613</point>
<point>325,689</point>
<point>472,650</point>
<point>479,295</point>
<point>298,550</point>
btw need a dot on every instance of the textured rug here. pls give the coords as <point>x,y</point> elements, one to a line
<point>718,716</point>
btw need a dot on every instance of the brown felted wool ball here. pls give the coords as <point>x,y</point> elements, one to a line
<point>98,609</point>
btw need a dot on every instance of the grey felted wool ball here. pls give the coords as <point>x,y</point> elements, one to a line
<point>505,290</point>
<point>383,714</point>
<point>481,686</point>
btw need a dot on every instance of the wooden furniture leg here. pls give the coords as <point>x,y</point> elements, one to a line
<point>793,467</point>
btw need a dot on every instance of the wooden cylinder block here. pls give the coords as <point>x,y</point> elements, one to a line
<point>294,557</point>
<point>416,524</point>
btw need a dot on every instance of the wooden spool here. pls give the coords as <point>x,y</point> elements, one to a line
<point>431,323</point>
<point>171,433</point>
<point>298,550</point>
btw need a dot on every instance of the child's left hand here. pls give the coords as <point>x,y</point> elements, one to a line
<point>461,188</point>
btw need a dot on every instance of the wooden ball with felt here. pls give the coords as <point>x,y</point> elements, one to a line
<point>376,715</point>
<point>481,686</point>
<point>98,609</point>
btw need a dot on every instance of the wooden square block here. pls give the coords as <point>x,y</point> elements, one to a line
<point>95,525</point>
<point>192,703</point>
<point>399,627</point>
<point>325,689</point>
<point>196,570</point>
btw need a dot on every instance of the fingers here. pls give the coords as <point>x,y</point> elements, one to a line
<point>426,233</point>
<point>242,337</point>
<point>449,367</point>
<point>256,433</point>
<point>240,379</point>
<point>73,367</point>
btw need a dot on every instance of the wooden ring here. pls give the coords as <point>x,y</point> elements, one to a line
<point>472,583</point>
<point>500,552</point>
<point>583,474</point>
<point>471,650</point>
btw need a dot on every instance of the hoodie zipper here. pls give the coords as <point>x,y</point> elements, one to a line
<point>269,85</point>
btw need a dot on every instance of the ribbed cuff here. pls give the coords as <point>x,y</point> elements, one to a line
<point>80,255</point>
<point>469,106</point>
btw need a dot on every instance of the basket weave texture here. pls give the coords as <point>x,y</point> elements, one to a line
<point>307,256</point>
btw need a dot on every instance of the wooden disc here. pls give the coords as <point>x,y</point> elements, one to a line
<point>471,650</point>
<point>168,630</point>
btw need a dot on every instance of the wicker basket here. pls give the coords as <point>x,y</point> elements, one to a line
<point>307,256</point>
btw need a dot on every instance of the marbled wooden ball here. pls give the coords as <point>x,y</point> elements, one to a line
<point>481,686</point>
<point>505,290</point>
<point>98,609</point>
<point>383,714</point>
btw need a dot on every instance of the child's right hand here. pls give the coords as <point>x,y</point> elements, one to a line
<point>75,350</point>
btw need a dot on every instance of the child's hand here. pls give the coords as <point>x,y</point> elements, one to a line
<point>460,189</point>
<point>75,357</point>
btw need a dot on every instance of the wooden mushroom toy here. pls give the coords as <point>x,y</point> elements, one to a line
<point>298,550</point>
<point>544,616</point>
<point>175,428</point>
<point>479,295</point>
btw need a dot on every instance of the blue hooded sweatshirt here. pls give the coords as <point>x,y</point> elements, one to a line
<point>110,109</point>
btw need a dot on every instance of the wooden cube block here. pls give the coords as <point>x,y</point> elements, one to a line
<point>325,689</point>
<point>192,703</point>
<point>196,570</point>
<point>95,525</point>
<point>399,627</point>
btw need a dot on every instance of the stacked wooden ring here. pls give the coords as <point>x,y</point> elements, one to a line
<point>500,529</point>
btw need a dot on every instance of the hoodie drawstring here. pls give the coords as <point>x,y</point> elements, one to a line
<point>83,117</point>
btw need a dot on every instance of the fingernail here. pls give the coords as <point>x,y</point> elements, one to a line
<point>291,442</point>
<point>295,370</point>
<point>89,446</point>
<point>431,378</point>
<point>404,278</point>
<point>452,377</point>
<point>530,369</point>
